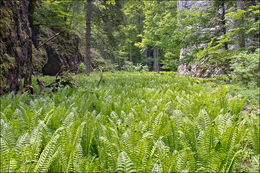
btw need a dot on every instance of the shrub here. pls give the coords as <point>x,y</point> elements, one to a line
<point>130,67</point>
<point>246,67</point>
<point>82,67</point>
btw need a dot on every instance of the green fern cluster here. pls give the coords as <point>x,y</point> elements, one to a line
<point>132,122</point>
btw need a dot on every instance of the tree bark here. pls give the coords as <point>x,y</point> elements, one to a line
<point>14,43</point>
<point>88,36</point>
<point>224,30</point>
<point>28,75</point>
<point>241,33</point>
<point>155,62</point>
<point>31,9</point>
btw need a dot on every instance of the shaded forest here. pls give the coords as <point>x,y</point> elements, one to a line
<point>196,38</point>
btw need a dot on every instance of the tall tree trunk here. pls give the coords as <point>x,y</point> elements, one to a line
<point>14,42</point>
<point>28,75</point>
<point>224,30</point>
<point>155,60</point>
<point>88,36</point>
<point>256,37</point>
<point>34,28</point>
<point>241,33</point>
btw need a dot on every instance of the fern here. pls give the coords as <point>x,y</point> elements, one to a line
<point>157,168</point>
<point>124,163</point>
<point>181,160</point>
<point>109,153</point>
<point>254,133</point>
<point>133,123</point>
<point>5,158</point>
<point>47,155</point>
<point>73,162</point>
<point>22,141</point>
<point>7,134</point>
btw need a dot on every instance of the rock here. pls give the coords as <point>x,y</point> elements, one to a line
<point>197,69</point>
<point>204,69</point>
<point>63,51</point>
<point>53,65</point>
<point>189,4</point>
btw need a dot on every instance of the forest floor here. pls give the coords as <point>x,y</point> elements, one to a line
<point>131,122</point>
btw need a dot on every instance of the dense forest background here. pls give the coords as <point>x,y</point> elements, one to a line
<point>197,38</point>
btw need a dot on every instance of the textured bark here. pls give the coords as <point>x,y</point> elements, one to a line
<point>224,30</point>
<point>88,36</point>
<point>28,75</point>
<point>34,28</point>
<point>15,41</point>
<point>241,33</point>
<point>155,62</point>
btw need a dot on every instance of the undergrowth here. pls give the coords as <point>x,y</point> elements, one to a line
<point>131,122</point>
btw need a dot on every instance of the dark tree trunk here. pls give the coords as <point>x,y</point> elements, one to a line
<point>224,30</point>
<point>28,75</point>
<point>155,60</point>
<point>88,36</point>
<point>14,45</point>
<point>241,33</point>
<point>34,28</point>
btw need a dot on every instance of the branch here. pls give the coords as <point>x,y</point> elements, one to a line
<point>101,75</point>
<point>49,39</point>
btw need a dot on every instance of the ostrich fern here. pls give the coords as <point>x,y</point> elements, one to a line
<point>130,123</point>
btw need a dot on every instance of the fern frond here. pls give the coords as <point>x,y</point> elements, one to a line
<point>124,163</point>
<point>21,142</point>
<point>232,162</point>
<point>47,154</point>
<point>7,134</point>
<point>203,120</point>
<point>254,134</point>
<point>5,155</point>
<point>74,163</point>
<point>181,160</point>
<point>111,152</point>
<point>12,165</point>
<point>157,168</point>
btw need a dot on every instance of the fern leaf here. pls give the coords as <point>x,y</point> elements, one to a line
<point>124,163</point>
<point>6,133</point>
<point>22,141</point>
<point>47,154</point>
<point>5,156</point>
<point>181,160</point>
<point>157,168</point>
<point>12,165</point>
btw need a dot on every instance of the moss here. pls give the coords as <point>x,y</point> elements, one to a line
<point>5,71</point>
<point>10,22</point>
<point>10,58</point>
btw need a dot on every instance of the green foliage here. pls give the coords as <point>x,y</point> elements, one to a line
<point>54,14</point>
<point>238,57</point>
<point>132,122</point>
<point>132,28</point>
<point>160,31</point>
<point>248,14</point>
<point>130,67</point>
<point>246,67</point>
<point>82,67</point>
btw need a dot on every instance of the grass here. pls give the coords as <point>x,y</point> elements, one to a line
<point>132,122</point>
